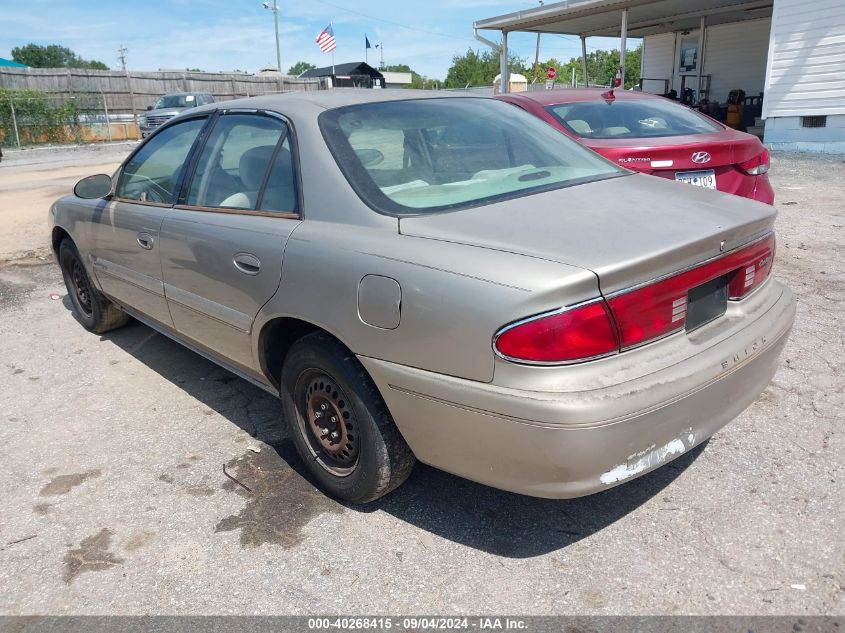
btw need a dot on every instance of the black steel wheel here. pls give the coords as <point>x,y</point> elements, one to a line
<point>327,422</point>
<point>90,307</point>
<point>339,423</point>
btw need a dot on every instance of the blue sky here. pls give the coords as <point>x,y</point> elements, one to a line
<point>224,35</point>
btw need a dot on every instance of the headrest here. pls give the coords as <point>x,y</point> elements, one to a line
<point>253,166</point>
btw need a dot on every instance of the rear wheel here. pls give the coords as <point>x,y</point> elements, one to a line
<point>90,307</point>
<point>339,423</point>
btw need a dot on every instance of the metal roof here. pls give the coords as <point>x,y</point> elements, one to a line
<point>12,64</point>
<point>645,17</point>
<point>347,68</point>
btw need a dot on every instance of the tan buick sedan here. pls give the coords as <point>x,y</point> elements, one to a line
<point>441,279</point>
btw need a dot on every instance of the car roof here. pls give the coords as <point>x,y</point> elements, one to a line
<point>330,99</point>
<point>571,95</point>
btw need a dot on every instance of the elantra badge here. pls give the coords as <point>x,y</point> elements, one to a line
<point>700,158</point>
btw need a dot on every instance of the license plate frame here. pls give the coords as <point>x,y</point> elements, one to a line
<point>706,302</point>
<point>705,178</point>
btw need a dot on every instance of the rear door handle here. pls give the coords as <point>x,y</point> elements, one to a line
<point>247,263</point>
<point>146,241</point>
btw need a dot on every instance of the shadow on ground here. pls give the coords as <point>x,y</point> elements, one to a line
<point>473,515</point>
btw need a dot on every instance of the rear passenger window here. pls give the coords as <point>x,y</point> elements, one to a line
<point>280,193</point>
<point>234,162</point>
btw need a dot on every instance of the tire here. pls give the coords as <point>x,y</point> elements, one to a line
<point>364,457</point>
<point>90,307</point>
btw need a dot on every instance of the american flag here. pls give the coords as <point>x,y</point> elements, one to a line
<point>326,41</point>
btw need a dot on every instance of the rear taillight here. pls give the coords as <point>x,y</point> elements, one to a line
<point>633,317</point>
<point>758,258</point>
<point>577,333</point>
<point>660,308</point>
<point>756,166</point>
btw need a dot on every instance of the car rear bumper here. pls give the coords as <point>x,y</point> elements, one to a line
<point>570,443</point>
<point>730,180</point>
<point>763,191</point>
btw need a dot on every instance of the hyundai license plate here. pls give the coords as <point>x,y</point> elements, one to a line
<point>703,178</point>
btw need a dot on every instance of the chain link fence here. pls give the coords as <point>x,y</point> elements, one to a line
<point>42,105</point>
<point>489,91</point>
<point>29,117</point>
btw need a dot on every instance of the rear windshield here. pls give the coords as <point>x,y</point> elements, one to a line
<point>640,118</point>
<point>427,155</point>
<point>175,101</point>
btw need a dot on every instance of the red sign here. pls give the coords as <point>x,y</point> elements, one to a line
<point>551,72</point>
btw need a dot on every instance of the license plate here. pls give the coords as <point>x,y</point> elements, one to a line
<point>707,302</point>
<point>704,178</point>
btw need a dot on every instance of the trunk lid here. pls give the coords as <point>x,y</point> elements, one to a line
<point>626,230</point>
<point>675,153</point>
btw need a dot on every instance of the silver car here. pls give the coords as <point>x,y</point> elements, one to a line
<point>168,106</point>
<point>436,278</point>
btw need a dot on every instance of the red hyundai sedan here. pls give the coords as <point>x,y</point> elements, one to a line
<point>653,135</point>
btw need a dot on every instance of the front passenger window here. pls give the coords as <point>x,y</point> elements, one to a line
<point>154,172</point>
<point>233,164</point>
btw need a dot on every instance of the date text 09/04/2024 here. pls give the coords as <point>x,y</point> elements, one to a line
<point>417,623</point>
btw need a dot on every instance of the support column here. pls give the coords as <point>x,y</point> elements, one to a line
<point>584,60</point>
<point>700,65</point>
<point>623,46</point>
<point>504,75</point>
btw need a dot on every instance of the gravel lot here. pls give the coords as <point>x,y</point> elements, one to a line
<point>114,498</point>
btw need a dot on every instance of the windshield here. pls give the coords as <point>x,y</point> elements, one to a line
<point>635,118</point>
<point>429,155</point>
<point>175,101</point>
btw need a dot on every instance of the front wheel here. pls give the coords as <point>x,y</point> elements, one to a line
<point>339,423</point>
<point>90,307</point>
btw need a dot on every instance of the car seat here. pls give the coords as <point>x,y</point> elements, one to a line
<point>251,169</point>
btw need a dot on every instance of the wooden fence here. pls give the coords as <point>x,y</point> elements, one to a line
<point>131,92</point>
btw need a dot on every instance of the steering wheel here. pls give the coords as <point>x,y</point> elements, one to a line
<point>154,191</point>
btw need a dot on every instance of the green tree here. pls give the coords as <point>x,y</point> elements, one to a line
<point>601,67</point>
<point>479,68</point>
<point>300,67</point>
<point>52,56</point>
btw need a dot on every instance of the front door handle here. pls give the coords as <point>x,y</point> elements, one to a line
<point>146,241</point>
<point>247,263</point>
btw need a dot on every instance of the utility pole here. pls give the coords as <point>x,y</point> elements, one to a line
<point>275,9</point>
<point>537,53</point>
<point>121,56</point>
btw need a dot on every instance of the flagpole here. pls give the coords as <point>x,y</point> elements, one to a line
<point>366,57</point>
<point>331,26</point>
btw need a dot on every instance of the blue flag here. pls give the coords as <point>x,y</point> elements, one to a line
<point>367,42</point>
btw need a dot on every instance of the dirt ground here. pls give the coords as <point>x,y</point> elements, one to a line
<point>31,180</point>
<point>114,498</point>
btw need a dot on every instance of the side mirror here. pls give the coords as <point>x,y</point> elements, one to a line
<point>149,107</point>
<point>93,187</point>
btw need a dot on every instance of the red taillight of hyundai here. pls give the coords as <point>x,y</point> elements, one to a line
<point>631,318</point>
<point>756,166</point>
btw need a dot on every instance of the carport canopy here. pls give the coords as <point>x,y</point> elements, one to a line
<point>620,18</point>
